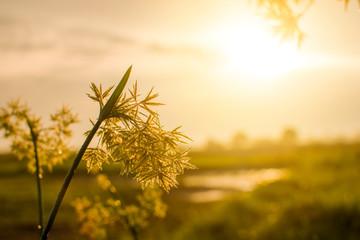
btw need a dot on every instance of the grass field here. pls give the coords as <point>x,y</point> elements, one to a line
<point>317,199</point>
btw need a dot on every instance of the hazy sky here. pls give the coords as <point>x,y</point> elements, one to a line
<point>212,62</point>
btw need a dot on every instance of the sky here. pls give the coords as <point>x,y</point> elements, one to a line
<point>214,63</point>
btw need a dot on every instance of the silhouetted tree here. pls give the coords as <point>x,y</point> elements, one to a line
<point>213,145</point>
<point>239,141</point>
<point>289,137</point>
<point>265,145</point>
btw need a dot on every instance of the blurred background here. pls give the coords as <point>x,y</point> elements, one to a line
<point>215,64</point>
<point>276,126</point>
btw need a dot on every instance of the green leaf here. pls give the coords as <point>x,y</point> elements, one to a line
<point>115,96</point>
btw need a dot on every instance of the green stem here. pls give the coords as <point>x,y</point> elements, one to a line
<point>38,177</point>
<point>132,229</point>
<point>134,233</point>
<point>38,181</point>
<point>104,113</point>
<point>67,180</point>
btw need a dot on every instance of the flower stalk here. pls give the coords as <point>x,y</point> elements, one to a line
<point>104,113</point>
<point>34,138</point>
<point>67,181</point>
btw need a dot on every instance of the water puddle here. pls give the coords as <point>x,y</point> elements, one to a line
<point>221,184</point>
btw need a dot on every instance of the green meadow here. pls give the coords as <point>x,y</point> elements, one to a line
<point>317,197</point>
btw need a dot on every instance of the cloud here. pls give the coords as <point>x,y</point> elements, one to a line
<point>187,50</point>
<point>20,34</point>
<point>99,34</point>
<point>24,35</point>
<point>87,41</point>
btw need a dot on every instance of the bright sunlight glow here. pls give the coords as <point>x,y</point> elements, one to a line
<point>250,49</point>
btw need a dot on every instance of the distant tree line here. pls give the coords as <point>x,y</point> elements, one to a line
<point>288,139</point>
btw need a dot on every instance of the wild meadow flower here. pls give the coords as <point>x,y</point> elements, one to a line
<point>24,129</point>
<point>106,211</point>
<point>133,137</point>
<point>40,146</point>
<point>129,133</point>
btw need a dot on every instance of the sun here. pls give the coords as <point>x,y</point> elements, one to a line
<point>247,48</point>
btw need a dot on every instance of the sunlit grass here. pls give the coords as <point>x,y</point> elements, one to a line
<point>206,161</point>
<point>319,199</point>
<point>320,193</point>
